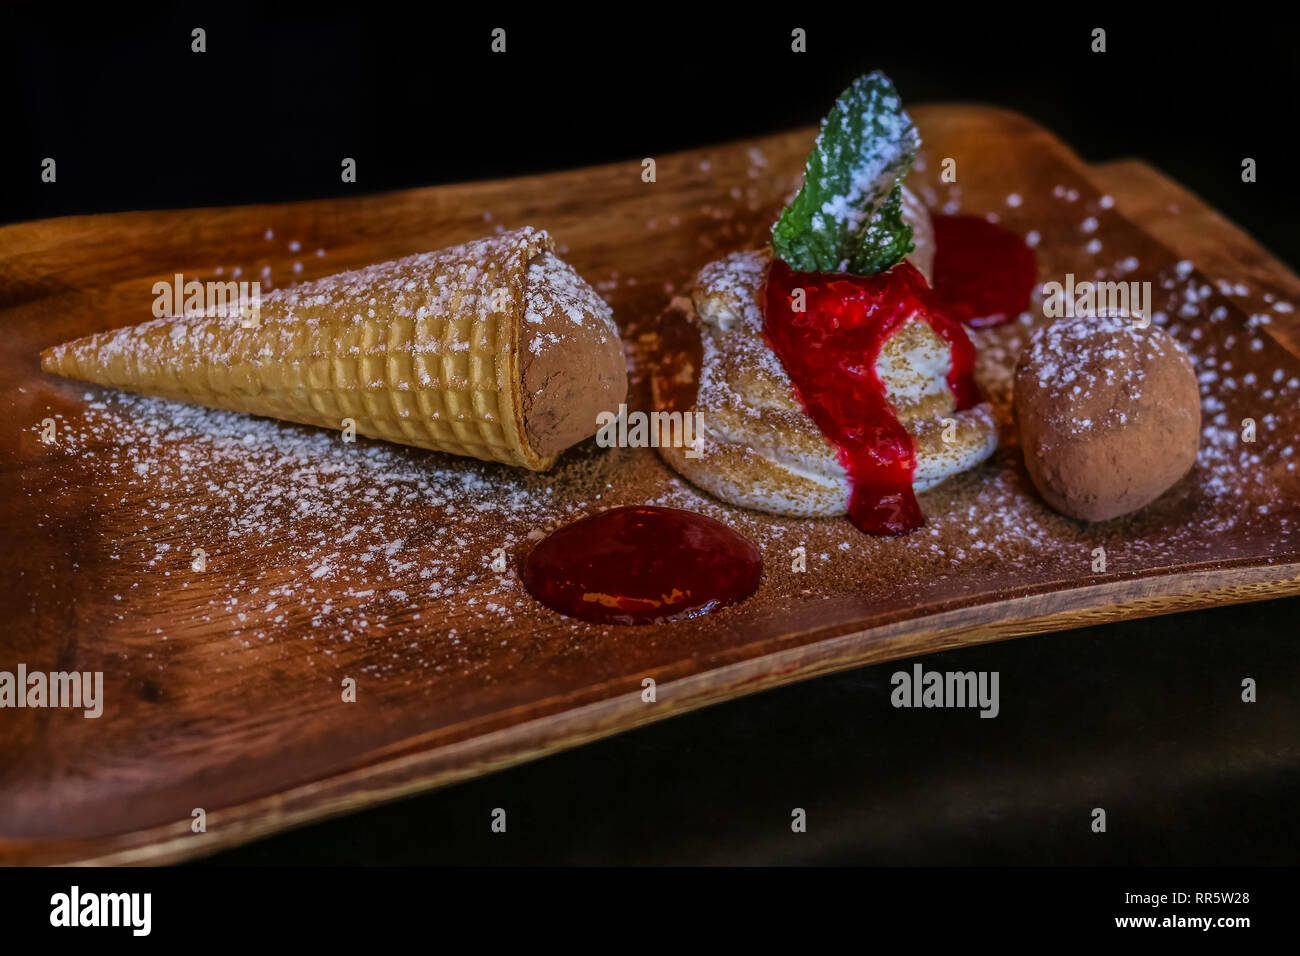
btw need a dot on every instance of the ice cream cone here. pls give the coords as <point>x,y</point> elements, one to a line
<point>423,350</point>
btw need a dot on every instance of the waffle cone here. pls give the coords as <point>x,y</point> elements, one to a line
<point>423,351</point>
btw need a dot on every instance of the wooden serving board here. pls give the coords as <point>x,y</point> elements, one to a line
<point>222,687</point>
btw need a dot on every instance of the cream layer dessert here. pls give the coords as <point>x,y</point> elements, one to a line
<point>830,380</point>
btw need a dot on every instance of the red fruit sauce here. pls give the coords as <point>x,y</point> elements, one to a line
<point>983,274</point>
<point>642,565</point>
<point>830,351</point>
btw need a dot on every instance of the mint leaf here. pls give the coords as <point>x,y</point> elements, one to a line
<point>847,215</point>
<point>885,241</point>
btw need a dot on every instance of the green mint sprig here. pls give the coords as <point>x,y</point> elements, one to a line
<point>848,215</point>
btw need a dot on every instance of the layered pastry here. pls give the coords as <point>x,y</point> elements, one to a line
<point>829,379</point>
<point>495,349</point>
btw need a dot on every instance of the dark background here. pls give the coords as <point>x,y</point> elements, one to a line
<point>135,120</point>
<point>1142,718</point>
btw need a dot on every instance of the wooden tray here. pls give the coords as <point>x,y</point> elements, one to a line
<point>216,700</point>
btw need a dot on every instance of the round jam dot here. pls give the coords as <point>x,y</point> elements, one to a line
<point>642,565</point>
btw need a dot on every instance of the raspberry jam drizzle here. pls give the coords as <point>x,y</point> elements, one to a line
<point>983,274</point>
<point>829,351</point>
<point>642,565</point>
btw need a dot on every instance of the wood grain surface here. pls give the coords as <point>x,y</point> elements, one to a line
<point>253,732</point>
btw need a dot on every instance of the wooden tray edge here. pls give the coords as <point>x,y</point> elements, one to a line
<point>413,773</point>
<point>1140,191</point>
<point>1144,196</point>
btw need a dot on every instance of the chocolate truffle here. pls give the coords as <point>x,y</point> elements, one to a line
<point>1109,415</point>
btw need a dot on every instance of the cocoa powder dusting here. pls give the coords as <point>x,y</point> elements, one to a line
<point>414,555</point>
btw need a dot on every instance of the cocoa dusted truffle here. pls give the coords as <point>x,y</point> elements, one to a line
<point>1109,415</point>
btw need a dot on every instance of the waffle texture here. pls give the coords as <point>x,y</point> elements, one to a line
<point>423,351</point>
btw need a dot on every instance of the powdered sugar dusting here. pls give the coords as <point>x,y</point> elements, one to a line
<point>1061,353</point>
<point>291,509</point>
<point>350,537</point>
<point>554,285</point>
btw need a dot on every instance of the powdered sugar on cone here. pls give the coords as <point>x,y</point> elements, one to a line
<point>422,350</point>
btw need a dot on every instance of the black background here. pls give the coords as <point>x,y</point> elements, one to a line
<point>1142,718</point>
<point>413,93</point>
